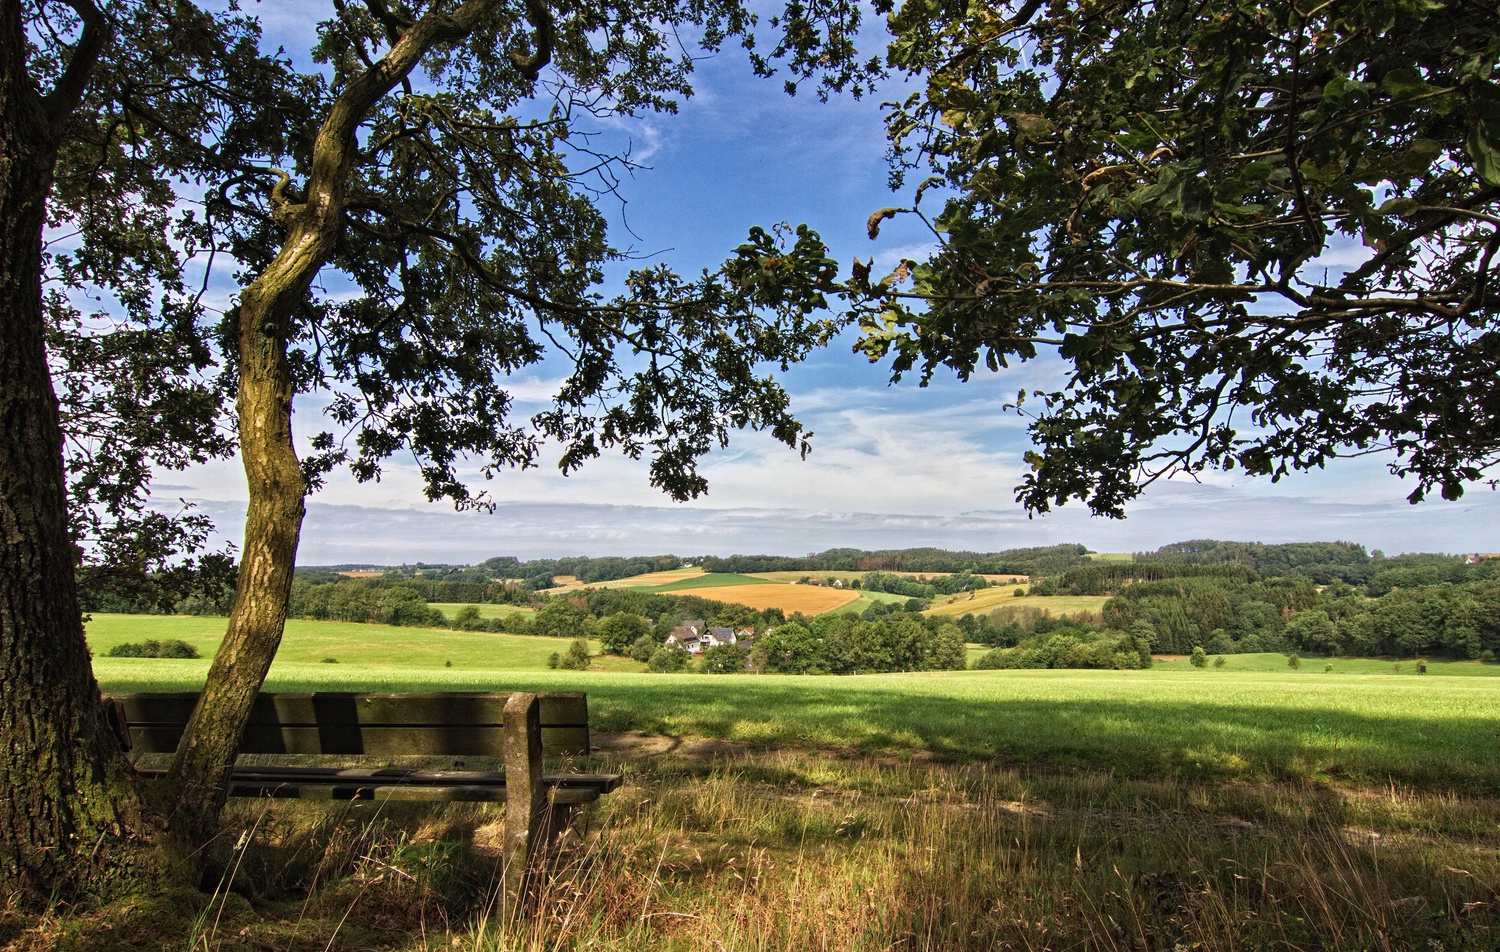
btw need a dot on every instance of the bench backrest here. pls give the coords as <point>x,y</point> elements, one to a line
<point>468,724</point>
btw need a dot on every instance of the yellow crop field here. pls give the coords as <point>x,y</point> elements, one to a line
<point>652,579</point>
<point>807,599</point>
<point>989,599</point>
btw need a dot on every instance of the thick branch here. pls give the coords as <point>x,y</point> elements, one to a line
<point>65,96</point>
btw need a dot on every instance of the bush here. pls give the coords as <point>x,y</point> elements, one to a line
<point>1199,658</point>
<point>725,659</point>
<point>1293,661</point>
<point>577,658</point>
<point>668,659</point>
<point>151,648</point>
<point>1219,661</point>
<point>645,646</point>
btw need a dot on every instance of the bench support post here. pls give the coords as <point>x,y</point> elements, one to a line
<point>525,798</point>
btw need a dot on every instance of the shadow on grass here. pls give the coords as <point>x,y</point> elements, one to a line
<point>1132,738</point>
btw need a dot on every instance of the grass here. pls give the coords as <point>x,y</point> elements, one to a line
<point>1175,808</point>
<point>1213,724</point>
<point>358,650</point>
<point>704,580</point>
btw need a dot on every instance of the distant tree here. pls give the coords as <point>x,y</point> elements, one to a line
<point>947,651</point>
<point>788,649</point>
<point>725,659</point>
<point>1218,661</point>
<point>669,659</point>
<point>1293,661</point>
<point>618,632</point>
<point>644,647</point>
<point>467,618</point>
<point>577,656</point>
<point>1199,658</point>
<point>563,618</point>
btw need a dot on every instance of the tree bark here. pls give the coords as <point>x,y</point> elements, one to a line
<point>276,485</point>
<point>68,804</point>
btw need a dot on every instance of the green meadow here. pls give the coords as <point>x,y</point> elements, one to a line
<point>1250,806</point>
<point>1252,720</point>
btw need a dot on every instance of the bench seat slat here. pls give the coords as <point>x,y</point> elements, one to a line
<point>379,740</point>
<point>336,707</point>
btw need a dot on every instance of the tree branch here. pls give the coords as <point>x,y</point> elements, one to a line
<point>66,94</point>
<point>541,21</point>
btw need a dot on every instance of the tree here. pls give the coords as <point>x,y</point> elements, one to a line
<point>618,632</point>
<point>74,80</point>
<point>452,206</point>
<point>1199,657</point>
<point>668,659</point>
<point>788,649</point>
<point>448,198</point>
<point>1155,193</point>
<point>725,659</point>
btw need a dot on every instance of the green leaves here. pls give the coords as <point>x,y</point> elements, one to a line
<point>1157,195</point>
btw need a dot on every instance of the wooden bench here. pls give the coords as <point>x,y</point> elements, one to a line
<point>381,730</point>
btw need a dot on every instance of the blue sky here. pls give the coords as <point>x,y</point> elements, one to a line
<point>891,466</point>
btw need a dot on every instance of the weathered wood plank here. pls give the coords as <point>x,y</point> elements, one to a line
<point>526,799</point>
<point>561,709</point>
<point>374,724</point>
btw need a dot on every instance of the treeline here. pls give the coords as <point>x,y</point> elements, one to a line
<point>1224,614</point>
<point>920,587</point>
<point>1073,646</point>
<point>1036,561</point>
<point>1327,563</point>
<point>1107,578</point>
<point>849,644</point>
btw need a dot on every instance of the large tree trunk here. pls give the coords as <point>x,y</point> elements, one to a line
<point>68,805</point>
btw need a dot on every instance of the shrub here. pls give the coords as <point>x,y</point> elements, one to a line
<point>645,646</point>
<point>577,658</point>
<point>1219,661</point>
<point>151,648</point>
<point>554,660</point>
<point>1199,658</point>
<point>725,659</point>
<point>1293,662</point>
<point>668,659</point>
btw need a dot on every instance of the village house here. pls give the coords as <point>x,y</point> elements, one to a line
<point>696,637</point>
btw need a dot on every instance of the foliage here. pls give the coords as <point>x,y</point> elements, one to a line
<point>1199,658</point>
<point>725,659</point>
<point>150,648</point>
<point>1027,561</point>
<point>358,602</point>
<point>577,656</point>
<point>1153,192</point>
<point>619,631</point>
<point>1071,647</point>
<point>668,659</point>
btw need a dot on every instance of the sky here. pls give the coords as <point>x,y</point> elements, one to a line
<point>891,467</point>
